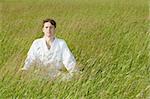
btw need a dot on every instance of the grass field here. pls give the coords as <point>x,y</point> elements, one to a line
<point>109,38</point>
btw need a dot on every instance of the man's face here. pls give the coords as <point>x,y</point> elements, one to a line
<point>48,29</point>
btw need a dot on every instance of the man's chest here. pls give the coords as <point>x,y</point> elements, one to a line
<point>45,54</point>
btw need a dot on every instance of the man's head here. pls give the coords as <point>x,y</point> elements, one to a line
<point>49,26</point>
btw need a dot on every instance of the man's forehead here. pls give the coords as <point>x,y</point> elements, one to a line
<point>48,24</point>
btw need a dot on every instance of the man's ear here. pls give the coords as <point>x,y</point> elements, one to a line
<point>42,29</point>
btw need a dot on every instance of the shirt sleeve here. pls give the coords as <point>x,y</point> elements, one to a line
<point>31,57</point>
<point>68,59</point>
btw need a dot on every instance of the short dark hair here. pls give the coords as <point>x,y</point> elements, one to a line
<point>51,21</point>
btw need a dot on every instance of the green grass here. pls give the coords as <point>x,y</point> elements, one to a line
<point>109,39</point>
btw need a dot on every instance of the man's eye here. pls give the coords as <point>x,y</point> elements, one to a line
<point>46,27</point>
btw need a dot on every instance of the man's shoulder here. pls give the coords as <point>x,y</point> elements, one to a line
<point>37,41</point>
<point>60,41</point>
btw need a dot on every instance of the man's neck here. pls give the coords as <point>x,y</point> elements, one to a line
<point>49,40</point>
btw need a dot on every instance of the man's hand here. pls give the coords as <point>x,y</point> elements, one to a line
<point>23,69</point>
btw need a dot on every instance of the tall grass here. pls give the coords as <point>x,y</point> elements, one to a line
<point>109,39</point>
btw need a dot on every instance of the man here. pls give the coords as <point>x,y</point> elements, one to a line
<point>50,52</point>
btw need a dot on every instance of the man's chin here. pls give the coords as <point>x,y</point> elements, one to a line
<point>49,36</point>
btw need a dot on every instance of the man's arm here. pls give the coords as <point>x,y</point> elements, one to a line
<point>68,59</point>
<point>31,57</point>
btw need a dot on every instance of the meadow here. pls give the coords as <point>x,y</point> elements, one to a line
<point>109,39</point>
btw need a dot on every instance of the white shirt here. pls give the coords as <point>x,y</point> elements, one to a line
<point>58,55</point>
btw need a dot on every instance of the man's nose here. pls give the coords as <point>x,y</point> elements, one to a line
<point>49,29</point>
